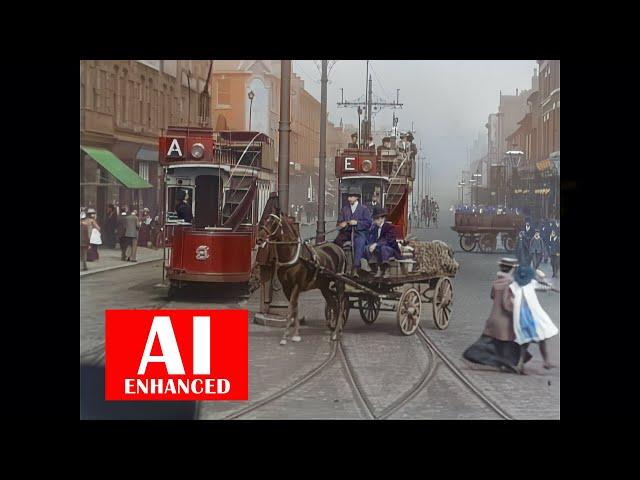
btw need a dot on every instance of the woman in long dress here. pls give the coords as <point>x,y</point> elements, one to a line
<point>145,229</point>
<point>530,322</point>
<point>90,222</point>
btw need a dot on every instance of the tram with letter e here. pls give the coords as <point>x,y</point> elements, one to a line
<point>216,185</point>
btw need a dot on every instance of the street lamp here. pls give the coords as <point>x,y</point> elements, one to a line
<point>250,95</point>
<point>476,180</point>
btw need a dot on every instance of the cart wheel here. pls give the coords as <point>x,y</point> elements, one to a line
<point>467,242</point>
<point>331,317</point>
<point>369,308</point>
<point>509,243</point>
<point>408,314</point>
<point>442,303</point>
<point>171,294</point>
<point>488,243</point>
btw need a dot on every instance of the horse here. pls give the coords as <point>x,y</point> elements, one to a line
<point>300,267</point>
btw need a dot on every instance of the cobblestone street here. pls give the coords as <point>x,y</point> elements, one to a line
<point>397,365</point>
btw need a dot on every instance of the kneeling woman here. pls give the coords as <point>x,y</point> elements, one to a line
<point>496,346</point>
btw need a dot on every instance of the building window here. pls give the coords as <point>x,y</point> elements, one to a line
<point>123,97</point>
<point>143,170</point>
<point>223,90</point>
<point>131,92</point>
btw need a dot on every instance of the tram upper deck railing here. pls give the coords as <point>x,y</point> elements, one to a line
<point>197,145</point>
<point>386,162</point>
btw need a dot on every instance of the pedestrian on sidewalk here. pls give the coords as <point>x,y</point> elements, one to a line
<point>522,249</point>
<point>553,249</point>
<point>496,346</point>
<point>110,225</point>
<point>536,248</point>
<point>128,233</point>
<point>530,322</point>
<point>145,230</point>
<point>94,237</point>
<point>84,242</point>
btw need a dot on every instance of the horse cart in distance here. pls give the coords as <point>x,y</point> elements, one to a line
<point>481,230</point>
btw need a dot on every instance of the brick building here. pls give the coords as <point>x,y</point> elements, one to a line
<point>124,107</point>
<point>233,110</point>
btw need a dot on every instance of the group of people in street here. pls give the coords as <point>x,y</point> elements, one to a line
<point>372,239</point>
<point>540,244</point>
<point>517,319</point>
<point>121,226</point>
<point>426,211</point>
<point>485,209</point>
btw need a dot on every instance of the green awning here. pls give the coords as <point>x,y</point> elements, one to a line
<point>116,167</point>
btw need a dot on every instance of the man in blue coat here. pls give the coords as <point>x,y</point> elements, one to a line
<point>354,219</point>
<point>381,245</point>
<point>553,248</point>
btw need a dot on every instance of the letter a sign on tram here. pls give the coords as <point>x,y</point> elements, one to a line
<point>176,355</point>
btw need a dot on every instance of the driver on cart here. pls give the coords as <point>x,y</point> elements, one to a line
<point>354,222</point>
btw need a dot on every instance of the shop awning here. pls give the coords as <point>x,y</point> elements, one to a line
<point>116,167</point>
<point>147,155</point>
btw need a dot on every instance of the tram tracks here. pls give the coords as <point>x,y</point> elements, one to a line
<point>461,376</point>
<point>436,359</point>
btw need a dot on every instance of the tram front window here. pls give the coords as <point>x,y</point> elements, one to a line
<point>172,201</point>
<point>368,186</point>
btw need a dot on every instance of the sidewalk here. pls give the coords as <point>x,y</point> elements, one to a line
<point>110,259</point>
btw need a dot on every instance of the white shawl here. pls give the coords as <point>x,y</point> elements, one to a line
<point>544,326</point>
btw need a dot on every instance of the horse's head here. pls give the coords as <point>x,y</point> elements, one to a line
<point>270,229</point>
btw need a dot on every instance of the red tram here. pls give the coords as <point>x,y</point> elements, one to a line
<point>225,178</point>
<point>387,172</point>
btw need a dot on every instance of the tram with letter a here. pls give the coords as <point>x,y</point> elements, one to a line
<point>217,184</point>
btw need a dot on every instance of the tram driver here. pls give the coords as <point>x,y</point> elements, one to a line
<point>183,208</point>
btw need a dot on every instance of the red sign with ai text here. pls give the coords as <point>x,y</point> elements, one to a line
<point>176,355</point>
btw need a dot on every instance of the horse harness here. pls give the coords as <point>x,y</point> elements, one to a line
<point>315,263</point>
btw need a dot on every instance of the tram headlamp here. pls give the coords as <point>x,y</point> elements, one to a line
<point>197,150</point>
<point>367,165</point>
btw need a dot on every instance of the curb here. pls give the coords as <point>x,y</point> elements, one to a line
<point>128,264</point>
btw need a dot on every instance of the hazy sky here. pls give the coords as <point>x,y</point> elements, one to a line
<point>448,101</point>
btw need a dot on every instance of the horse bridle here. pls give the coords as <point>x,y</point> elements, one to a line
<point>297,242</point>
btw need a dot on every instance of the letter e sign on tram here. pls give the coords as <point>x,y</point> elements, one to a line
<point>176,355</point>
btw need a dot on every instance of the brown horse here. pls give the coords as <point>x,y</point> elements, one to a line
<point>302,267</point>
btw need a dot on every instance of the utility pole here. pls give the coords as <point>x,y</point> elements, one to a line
<point>322,161</point>
<point>368,104</point>
<point>284,129</point>
<point>272,294</point>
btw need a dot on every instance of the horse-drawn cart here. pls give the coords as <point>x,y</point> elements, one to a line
<point>404,295</point>
<point>403,292</point>
<point>482,230</point>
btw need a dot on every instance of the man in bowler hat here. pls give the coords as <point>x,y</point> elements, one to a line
<point>381,245</point>
<point>354,219</point>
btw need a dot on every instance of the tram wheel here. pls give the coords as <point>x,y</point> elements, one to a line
<point>408,312</point>
<point>369,308</point>
<point>442,303</point>
<point>467,242</point>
